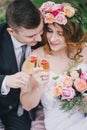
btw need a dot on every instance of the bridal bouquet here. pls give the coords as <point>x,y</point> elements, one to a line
<point>71,88</point>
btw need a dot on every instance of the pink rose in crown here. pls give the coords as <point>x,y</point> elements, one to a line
<point>60,18</point>
<point>47,7</point>
<point>49,18</point>
<point>56,9</point>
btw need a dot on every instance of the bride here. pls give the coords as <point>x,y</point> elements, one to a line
<point>64,43</point>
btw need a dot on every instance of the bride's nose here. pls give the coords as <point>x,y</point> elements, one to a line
<point>54,37</point>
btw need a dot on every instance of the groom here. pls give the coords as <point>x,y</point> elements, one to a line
<point>24,26</point>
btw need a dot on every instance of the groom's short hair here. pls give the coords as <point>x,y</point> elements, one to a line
<point>23,13</point>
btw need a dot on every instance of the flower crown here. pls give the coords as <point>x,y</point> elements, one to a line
<point>59,13</point>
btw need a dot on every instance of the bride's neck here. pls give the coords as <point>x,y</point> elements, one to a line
<point>61,53</point>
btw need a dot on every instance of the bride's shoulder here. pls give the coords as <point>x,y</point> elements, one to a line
<point>84,53</point>
<point>84,50</point>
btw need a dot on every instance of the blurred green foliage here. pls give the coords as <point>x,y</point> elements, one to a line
<point>2,15</point>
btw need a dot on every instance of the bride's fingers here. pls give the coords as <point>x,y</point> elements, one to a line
<point>37,70</point>
<point>41,77</point>
<point>44,76</point>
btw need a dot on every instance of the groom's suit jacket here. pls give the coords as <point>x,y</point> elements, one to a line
<point>8,66</point>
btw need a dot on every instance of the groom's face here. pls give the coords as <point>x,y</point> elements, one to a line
<point>28,36</point>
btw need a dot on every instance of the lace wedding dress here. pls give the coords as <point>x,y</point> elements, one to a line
<point>57,119</point>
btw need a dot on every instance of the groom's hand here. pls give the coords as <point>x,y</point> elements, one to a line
<point>18,80</point>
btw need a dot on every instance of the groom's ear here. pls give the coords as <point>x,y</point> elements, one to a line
<point>10,31</point>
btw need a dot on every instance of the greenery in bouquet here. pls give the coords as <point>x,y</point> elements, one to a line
<point>71,89</point>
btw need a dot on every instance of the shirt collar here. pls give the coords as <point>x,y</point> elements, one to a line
<point>16,43</point>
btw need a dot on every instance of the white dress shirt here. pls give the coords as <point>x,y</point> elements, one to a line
<point>18,52</point>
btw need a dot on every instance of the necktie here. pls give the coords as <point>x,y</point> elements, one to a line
<point>23,55</point>
<point>20,109</point>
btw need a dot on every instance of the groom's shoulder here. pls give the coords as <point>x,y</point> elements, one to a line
<point>3,27</point>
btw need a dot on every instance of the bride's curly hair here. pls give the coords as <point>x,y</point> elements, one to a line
<point>75,37</point>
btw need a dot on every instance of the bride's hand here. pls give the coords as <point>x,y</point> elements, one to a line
<point>41,76</point>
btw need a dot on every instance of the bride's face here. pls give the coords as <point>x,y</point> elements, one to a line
<point>55,37</point>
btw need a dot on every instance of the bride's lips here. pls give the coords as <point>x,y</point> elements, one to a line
<point>54,44</point>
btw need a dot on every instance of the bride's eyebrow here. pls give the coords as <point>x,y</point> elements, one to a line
<point>61,31</point>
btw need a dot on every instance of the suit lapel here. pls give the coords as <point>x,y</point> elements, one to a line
<point>10,54</point>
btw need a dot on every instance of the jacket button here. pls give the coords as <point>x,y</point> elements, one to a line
<point>10,107</point>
